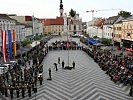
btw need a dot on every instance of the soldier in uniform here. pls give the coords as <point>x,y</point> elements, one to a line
<point>23,91</point>
<point>11,91</point>
<point>50,74</point>
<point>73,64</point>
<point>6,92</point>
<point>40,79</point>
<point>29,90</point>
<point>2,90</point>
<point>56,67</point>
<point>58,60</point>
<point>17,91</point>
<point>63,64</point>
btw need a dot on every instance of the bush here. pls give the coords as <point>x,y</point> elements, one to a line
<point>106,41</point>
<point>26,42</point>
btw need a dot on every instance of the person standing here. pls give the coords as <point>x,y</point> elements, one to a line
<point>11,91</point>
<point>29,90</point>
<point>17,91</point>
<point>50,74</point>
<point>23,91</point>
<point>73,65</point>
<point>58,60</point>
<point>56,66</point>
<point>40,79</point>
<point>63,64</point>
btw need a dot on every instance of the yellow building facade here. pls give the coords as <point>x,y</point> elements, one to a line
<point>127,32</point>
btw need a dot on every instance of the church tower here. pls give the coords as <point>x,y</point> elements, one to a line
<point>61,9</point>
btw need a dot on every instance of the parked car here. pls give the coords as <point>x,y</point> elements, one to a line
<point>75,35</point>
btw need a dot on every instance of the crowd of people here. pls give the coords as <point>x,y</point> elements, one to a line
<point>118,67</point>
<point>23,75</point>
<point>65,45</point>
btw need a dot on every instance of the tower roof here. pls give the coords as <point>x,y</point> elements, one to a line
<point>61,5</point>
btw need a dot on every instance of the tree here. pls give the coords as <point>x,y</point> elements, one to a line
<point>26,42</point>
<point>106,41</point>
<point>72,13</point>
<point>124,14</point>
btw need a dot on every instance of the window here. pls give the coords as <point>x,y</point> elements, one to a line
<point>74,27</point>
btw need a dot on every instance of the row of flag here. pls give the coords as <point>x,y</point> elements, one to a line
<point>11,40</point>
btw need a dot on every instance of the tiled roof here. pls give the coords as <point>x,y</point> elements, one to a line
<point>52,21</point>
<point>99,22</point>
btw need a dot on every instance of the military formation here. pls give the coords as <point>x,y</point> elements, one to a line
<point>20,78</point>
<point>65,45</point>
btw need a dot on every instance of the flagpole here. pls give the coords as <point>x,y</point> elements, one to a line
<point>68,48</point>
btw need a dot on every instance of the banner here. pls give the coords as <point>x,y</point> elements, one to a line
<point>10,44</point>
<point>4,45</point>
<point>14,42</point>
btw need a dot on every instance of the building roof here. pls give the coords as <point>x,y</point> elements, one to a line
<point>52,21</point>
<point>18,23</point>
<point>119,20</point>
<point>28,18</point>
<point>111,20</point>
<point>129,18</point>
<point>4,16</point>
<point>99,22</point>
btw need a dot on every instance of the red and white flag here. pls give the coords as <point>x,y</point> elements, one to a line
<point>4,45</point>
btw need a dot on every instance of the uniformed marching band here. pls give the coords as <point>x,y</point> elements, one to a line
<point>17,80</point>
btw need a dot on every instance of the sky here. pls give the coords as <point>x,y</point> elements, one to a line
<point>50,8</point>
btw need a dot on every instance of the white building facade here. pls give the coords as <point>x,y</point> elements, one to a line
<point>74,25</point>
<point>6,23</point>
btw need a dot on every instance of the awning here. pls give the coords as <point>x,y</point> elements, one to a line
<point>91,40</point>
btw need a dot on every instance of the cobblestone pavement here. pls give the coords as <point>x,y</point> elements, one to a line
<point>86,82</point>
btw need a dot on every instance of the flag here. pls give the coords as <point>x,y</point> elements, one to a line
<point>10,44</point>
<point>4,45</point>
<point>14,42</point>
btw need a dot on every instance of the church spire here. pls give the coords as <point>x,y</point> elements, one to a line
<point>61,9</point>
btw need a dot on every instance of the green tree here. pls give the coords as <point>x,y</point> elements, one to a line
<point>72,13</point>
<point>124,14</point>
<point>106,41</point>
<point>26,42</point>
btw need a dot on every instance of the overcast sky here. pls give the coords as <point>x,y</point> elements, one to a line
<point>50,8</point>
